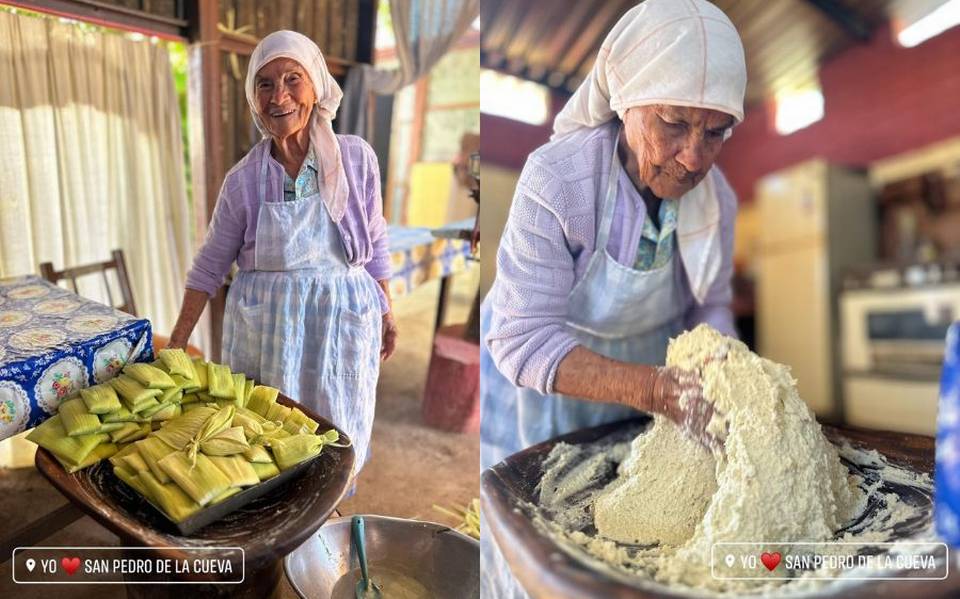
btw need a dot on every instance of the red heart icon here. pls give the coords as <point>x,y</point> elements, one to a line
<point>770,560</point>
<point>70,564</point>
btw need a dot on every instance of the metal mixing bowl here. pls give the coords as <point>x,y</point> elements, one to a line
<point>443,560</point>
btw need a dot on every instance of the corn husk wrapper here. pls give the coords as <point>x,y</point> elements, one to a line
<point>51,435</point>
<point>172,395</point>
<point>135,396</point>
<point>298,422</point>
<point>248,390</point>
<point>202,481</point>
<point>149,376</point>
<point>261,399</point>
<point>127,449</point>
<point>100,399</point>
<point>121,415</point>
<point>240,389</point>
<point>265,470</point>
<point>100,452</point>
<point>134,462</point>
<point>76,419</point>
<point>178,362</point>
<point>179,432</point>
<point>184,384</point>
<point>109,427</point>
<point>228,442</point>
<point>220,382</point>
<point>212,426</point>
<point>290,451</point>
<point>177,504</point>
<point>161,413</point>
<point>191,397</point>
<point>251,426</point>
<point>278,413</point>
<point>200,367</point>
<point>152,450</point>
<point>130,431</point>
<point>132,480</point>
<point>258,454</point>
<point>225,495</point>
<point>237,469</point>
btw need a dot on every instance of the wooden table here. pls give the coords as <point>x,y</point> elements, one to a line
<point>268,528</point>
<point>546,571</point>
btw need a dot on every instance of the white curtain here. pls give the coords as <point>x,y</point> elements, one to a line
<point>424,31</point>
<point>92,159</point>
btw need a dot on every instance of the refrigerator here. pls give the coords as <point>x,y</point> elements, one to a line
<point>816,221</point>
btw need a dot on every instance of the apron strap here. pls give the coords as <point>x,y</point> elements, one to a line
<point>609,197</point>
<point>263,174</point>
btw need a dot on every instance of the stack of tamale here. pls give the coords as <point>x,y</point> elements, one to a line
<point>183,433</point>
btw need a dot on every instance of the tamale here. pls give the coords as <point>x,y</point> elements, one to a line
<point>109,427</point>
<point>100,399</point>
<point>212,426</point>
<point>126,450</point>
<point>76,419</point>
<point>201,481</point>
<point>258,454</point>
<point>189,398</point>
<point>278,412</point>
<point>134,462</point>
<point>248,390</point>
<point>100,452</point>
<point>169,497</point>
<point>220,381</point>
<point>160,412</point>
<point>178,362</point>
<point>121,415</point>
<point>126,433</point>
<point>265,470</point>
<point>225,495</point>
<point>135,396</point>
<point>178,432</point>
<point>298,422</point>
<point>237,469</point>
<point>290,451</point>
<point>152,450</point>
<point>251,426</point>
<point>200,367</point>
<point>132,480</point>
<point>149,376</point>
<point>51,435</point>
<point>240,389</point>
<point>169,396</point>
<point>261,399</point>
<point>228,442</point>
<point>184,384</point>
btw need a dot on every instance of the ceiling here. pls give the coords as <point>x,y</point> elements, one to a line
<point>555,42</point>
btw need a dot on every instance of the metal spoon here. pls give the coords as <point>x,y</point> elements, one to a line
<point>366,588</point>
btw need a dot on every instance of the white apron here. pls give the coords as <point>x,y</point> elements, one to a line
<point>305,321</point>
<point>616,311</point>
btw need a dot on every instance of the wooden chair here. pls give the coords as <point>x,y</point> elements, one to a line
<point>116,262</point>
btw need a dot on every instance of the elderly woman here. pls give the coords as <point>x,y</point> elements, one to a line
<point>620,236</point>
<point>309,311</point>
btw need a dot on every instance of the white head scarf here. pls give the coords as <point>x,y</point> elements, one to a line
<point>680,53</point>
<point>676,52</point>
<point>298,47</point>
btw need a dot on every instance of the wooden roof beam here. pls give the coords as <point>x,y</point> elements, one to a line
<point>848,20</point>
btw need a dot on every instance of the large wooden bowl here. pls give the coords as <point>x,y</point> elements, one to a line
<point>547,571</point>
<point>268,528</point>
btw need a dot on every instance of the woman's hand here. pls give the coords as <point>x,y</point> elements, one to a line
<point>678,395</point>
<point>389,341</point>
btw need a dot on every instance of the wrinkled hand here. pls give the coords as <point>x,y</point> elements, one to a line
<point>678,395</point>
<point>389,342</point>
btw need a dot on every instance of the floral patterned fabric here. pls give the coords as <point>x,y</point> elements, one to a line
<point>53,343</point>
<point>306,184</point>
<point>656,245</point>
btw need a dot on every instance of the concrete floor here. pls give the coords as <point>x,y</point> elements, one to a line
<point>412,466</point>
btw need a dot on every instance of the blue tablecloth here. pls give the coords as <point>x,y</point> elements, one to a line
<point>417,256</point>
<point>53,343</point>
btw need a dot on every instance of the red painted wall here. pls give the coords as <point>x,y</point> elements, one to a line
<point>879,100</point>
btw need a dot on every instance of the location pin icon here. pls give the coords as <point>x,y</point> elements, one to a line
<point>729,560</point>
<point>31,564</point>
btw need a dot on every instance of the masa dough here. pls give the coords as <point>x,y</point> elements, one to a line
<point>778,479</point>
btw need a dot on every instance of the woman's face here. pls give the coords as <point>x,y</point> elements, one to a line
<point>675,146</point>
<point>284,97</point>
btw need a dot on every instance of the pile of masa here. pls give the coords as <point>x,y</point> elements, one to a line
<point>776,479</point>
